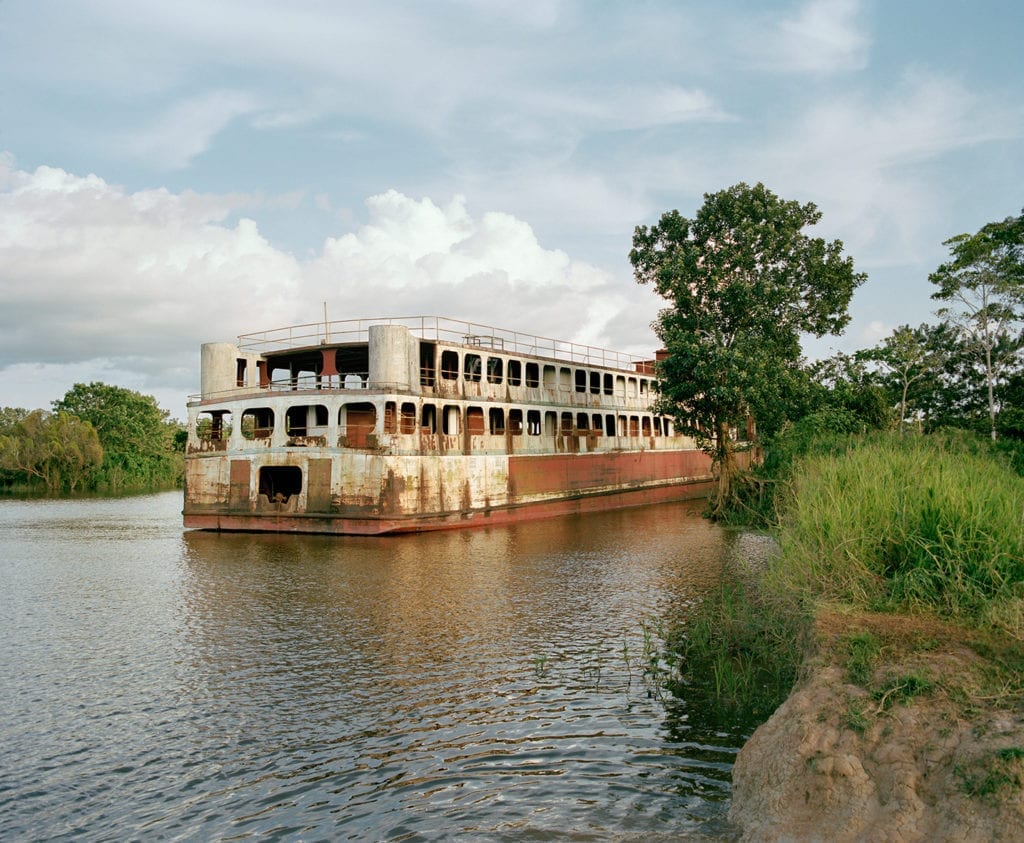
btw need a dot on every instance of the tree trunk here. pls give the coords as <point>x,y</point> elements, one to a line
<point>725,464</point>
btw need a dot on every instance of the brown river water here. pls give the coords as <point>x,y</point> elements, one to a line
<point>482,684</point>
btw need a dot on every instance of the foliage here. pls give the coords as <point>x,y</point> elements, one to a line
<point>909,357</point>
<point>743,281</point>
<point>922,524</point>
<point>56,448</point>
<point>983,286</point>
<point>879,522</point>
<point>137,436</point>
<point>738,652</point>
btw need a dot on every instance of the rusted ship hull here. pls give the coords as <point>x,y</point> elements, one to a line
<point>536,487</point>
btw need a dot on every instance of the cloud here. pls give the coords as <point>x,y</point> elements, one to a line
<point>418,257</point>
<point>185,129</point>
<point>824,36</point>
<point>99,282</point>
<point>89,270</point>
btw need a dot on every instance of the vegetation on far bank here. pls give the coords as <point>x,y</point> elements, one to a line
<point>97,438</point>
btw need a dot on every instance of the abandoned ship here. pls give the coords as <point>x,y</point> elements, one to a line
<point>376,426</point>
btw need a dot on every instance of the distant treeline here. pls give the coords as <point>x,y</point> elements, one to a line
<point>96,438</point>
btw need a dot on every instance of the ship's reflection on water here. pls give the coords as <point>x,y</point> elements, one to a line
<point>480,683</point>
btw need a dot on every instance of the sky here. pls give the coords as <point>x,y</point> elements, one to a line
<point>180,173</point>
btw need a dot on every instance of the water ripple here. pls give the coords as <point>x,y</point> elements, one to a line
<point>477,685</point>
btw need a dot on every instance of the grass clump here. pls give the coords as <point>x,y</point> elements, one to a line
<point>862,649</point>
<point>739,651</point>
<point>987,776</point>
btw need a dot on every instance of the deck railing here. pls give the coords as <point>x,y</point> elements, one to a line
<point>440,329</point>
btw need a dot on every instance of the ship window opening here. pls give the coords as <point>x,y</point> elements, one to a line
<point>515,422</point>
<point>450,420</point>
<point>598,425</point>
<point>634,426</point>
<point>390,418</point>
<point>258,423</point>
<point>549,377</point>
<point>357,422</point>
<point>632,388</point>
<point>427,352</point>
<point>609,425</point>
<point>581,380</point>
<point>657,426</point>
<point>428,419</point>
<point>595,383</point>
<point>306,420</point>
<point>533,422</point>
<point>471,368</point>
<point>280,482</point>
<point>475,421</point>
<point>646,425</point>
<point>408,419</point>
<point>550,423</point>
<point>620,386</point>
<point>450,365</point>
<point>622,425</point>
<point>494,369</point>
<point>644,386</point>
<point>608,388</point>
<point>582,421</point>
<point>496,419</point>
<point>565,379</point>
<point>566,423</point>
<point>240,367</point>
<point>533,375</point>
<point>214,426</point>
<point>515,372</point>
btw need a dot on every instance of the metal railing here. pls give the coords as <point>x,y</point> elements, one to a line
<point>440,329</point>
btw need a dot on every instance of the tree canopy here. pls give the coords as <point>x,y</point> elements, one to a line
<point>136,434</point>
<point>743,281</point>
<point>57,448</point>
<point>983,288</point>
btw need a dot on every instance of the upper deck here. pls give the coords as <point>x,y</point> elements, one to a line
<point>421,355</point>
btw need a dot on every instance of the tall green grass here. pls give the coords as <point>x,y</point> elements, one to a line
<point>913,523</point>
<point>880,522</point>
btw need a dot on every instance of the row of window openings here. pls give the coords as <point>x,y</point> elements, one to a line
<point>258,423</point>
<point>473,368</point>
<point>579,380</point>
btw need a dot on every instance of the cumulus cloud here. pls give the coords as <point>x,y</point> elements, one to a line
<point>92,271</point>
<point>128,285</point>
<point>420,257</point>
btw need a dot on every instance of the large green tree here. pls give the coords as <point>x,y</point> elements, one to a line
<point>743,281</point>
<point>983,288</point>
<point>136,434</point>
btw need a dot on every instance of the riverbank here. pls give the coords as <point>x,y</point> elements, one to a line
<point>923,741</point>
<point>898,585</point>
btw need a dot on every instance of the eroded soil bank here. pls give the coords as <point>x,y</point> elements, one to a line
<point>927,744</point>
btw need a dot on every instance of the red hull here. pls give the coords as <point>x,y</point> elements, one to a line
<point>341,525</point>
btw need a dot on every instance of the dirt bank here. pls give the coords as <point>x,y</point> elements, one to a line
<point>927,745</point>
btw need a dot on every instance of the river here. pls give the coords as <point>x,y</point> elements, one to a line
<point>482,684</point>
